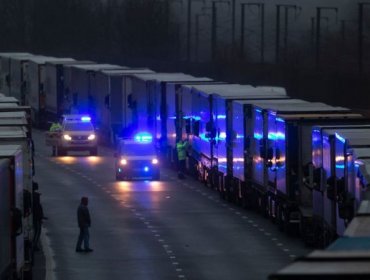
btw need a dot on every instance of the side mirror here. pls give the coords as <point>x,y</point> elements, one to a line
<point>317,175</point>
<point>209,126</point>
<point>196,128</point>
<point>270,153</point>
<point>247,142</point>
<point>187,126</point>
<point>330,187</point>
<point>278,153</point>
<point>17,221</point>
<point>346,207</point>
<point>262,152</point>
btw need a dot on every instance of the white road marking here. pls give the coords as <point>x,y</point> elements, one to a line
<point>49,253</point>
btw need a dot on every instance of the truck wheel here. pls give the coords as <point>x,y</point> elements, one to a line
<point>118,177</point>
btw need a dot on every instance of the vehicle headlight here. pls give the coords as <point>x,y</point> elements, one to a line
<point>67,137</point>
<point>91,137</point>
<point>123,161</point>
<point>154,161</point>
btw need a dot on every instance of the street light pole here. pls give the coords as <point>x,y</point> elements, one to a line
<point>318,31</point>
<point>188,40</point>
<point>233,24</point>
<point>197,16</point>
<point>286,24</point>
<point>361,34</point>
<point>214,28</point>
<point>261,7</point>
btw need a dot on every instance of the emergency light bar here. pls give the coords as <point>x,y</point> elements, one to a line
<point>85,119</point>
<point>77,118</point>
<point>143,137</point>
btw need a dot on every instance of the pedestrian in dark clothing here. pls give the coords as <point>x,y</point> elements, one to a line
<point>84,222</point>
<point>38,215</point>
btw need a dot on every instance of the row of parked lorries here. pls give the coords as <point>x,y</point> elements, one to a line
<point>302,164</point>
<point>16,190</point>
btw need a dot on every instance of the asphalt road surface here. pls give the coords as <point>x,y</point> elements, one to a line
<point>167,229</point>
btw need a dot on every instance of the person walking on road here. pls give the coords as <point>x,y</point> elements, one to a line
<point>38,215</point>
<point>84,222</point>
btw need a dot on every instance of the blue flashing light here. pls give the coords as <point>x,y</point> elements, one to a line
<point>143,137</point>
<point>339,166</point>
<point>221,117</point>
<point>85,119</point>
<point>222,136</point>
<point>279,120</point>
<point>276,136</point>
<point>196,118</point>
<point>257,136</point>
<point>272,136</point>
<point>119,169</point>
<point>146,168</point>
<point>340,138</point>
<point>258,110</point>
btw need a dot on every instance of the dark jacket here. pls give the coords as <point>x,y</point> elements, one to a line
<point>83,216</point>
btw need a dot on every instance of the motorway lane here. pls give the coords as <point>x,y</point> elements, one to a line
<point>169,229</point>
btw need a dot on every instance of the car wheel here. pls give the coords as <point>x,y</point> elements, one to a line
<point>157,176</point>
<point>61,151</point>
<point>94,151</point>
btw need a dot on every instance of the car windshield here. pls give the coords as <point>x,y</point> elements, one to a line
<point>137,150</point>
<point>78,126</point>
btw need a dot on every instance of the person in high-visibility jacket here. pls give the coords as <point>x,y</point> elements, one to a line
<point>55,127</point>
<point>181,157</point>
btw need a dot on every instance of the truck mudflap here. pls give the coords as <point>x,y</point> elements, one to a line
<point>52,138</point>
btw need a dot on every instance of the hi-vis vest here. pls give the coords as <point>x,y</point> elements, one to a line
<point>55,127</point>
<point>181,151</point>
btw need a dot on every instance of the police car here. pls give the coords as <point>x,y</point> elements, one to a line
<point>78,134</point>
<point>137,158</point>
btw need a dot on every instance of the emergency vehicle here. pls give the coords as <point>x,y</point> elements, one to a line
<point>137,158</point>
<point>77,134</point>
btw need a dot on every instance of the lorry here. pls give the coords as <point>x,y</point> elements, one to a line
<point>15,257</point>
<point>152,105</point>
<point>336,178</point>
<point>277,145</point>
<point>35,83</point>
<point>80,81</point>
<point>58,98</point>
<point>109,95</point>
<point>208,121</point>
<point>5,73</point>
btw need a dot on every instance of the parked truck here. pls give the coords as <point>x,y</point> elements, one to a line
<point>14,257</point>
<point>333,182</point>
<point>150,105</point>
<point>80,81</point>
<point>58,98</point>
<point>35,83</point>
<point>111,100</point>
<point>5,72</point>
